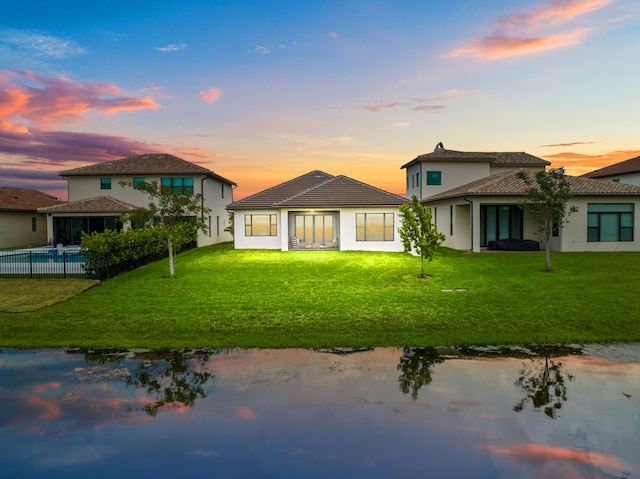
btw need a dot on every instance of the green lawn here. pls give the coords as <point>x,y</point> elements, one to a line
<point>233,298</point>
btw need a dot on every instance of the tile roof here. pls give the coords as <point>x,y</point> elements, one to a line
<point>151,163</point>
<point>24,199</point>
<point>495,158</point>
<point>508,184</point>
<point>97,204</point>
<point>623,168</point>
<point>318,189</point>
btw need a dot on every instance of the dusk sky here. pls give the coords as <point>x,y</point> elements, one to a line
<point>264,91</point>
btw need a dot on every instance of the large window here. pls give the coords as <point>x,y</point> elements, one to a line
<point>178,186</point>
<point>500,222</point>
<point>374,226</point>
<point>610,222</point>
<point>434,177</point>
<point>260,225</point>
<point>105,183</point>
<point>137,182</point>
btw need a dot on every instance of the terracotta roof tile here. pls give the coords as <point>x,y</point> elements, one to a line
<point>623,168</point>
<point>509,184</point>
<point>317,189</point>
<point>151,163</point>
<point>495,158</point>
<point>24,199</point>
<point>97,204</point>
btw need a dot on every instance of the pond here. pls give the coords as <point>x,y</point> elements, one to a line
<point>536,412</point>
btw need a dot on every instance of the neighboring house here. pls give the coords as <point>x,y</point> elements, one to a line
<point>472,212</point>
<point>20,222</point>
<point>624,172</point>
<point>319,211</point>
<point>96,197</point>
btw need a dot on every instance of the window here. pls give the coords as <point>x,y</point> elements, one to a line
<point>33,224</point>
<point>418,178</point>
<point>451,220</point>
<point>105,183</point>
<point>178,186</point>
<point>610,222</point>
<point>137,182</point>
<point>413,183</point>
<point>260,225</point>
<point>434,177</point>
<point>374,226</point>
<point>222,188</point>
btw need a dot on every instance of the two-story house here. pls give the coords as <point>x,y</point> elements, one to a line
<point>97,198</point>
<point>473,198</point>
<point>627,171</point>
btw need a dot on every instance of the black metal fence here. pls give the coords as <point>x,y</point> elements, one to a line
<point>42,263</point>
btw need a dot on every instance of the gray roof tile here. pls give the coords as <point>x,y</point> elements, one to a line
<point>97,204</point>
<point>148,164</point>
<point>509,184</point>
<point>514,159</point>
<point>318,189</point>
<point>623,168</point>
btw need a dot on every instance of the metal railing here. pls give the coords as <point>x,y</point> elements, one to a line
<point>42,263</point>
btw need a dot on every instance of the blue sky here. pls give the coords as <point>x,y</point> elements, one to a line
<point>261,92</point>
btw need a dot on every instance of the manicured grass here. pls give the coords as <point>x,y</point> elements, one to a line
<point>233,298</point>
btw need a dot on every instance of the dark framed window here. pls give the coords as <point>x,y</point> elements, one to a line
<point>418,178</point>
<point>451,220</point>
<point>261,225</point>
<point>178,185</point>
<point>137,182</point>
<point>434,177</point>
<point>105,183</point>
<point>374,227</point>
<point>500,222</point>
<point>33,224</point>
<point>610,222</point>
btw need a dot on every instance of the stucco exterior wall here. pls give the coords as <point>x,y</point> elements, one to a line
<point>454,174</point>
<point>630,179</point>
<point>348,231</point>
<point>242,241</point>
<point>217,196</point>
<point>573,235</point>
<point>16,229</point>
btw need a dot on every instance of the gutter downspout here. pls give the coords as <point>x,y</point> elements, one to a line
<point>471,217</point>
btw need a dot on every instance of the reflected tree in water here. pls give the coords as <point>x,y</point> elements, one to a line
<point>175,380</point>
<point>544,384</point>
<point>416,366</point>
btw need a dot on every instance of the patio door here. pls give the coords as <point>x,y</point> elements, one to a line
<point>500,222</point>
<point>316,229</point>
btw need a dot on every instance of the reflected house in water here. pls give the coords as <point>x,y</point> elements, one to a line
<point>319,211</point>
<point>300,413</point>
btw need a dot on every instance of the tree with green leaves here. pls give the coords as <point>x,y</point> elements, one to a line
<point>418,232</point>
<point>177,217</point>
<point>546,202</point>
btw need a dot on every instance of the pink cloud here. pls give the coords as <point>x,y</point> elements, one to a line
<point>211,95</point>
<point>535,30</point>
<point>502,46</point>
<point>245,413</point>
<point>44,101</point>
<point>380,107</point>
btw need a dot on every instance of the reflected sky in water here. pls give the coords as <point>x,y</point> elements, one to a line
<point>306,414</point>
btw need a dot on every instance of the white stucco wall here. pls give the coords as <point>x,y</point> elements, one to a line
<point>241,241</point>
<point>630,179</point>
<point>82,187</point>
<point>348,231</point>
<point>454,174</point>
<point>574,234</point>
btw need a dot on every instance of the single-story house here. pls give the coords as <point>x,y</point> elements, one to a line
<point>478,211</point>
<point>96,197</point>
<point>319,211</point>
<point>627,171</point>
<point>20,222</point>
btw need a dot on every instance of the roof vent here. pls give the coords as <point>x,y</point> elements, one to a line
<point>439,146</point>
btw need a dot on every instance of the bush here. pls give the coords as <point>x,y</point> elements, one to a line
<point>111,253</point>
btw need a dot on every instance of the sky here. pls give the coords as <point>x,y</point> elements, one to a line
<point>264,91</point>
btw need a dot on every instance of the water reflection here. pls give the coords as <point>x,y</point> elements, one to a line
<point>300,413</point>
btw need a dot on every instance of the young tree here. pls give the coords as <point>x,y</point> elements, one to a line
<point>546,202</point>
<point>417,231</point>
<point>177,217</point>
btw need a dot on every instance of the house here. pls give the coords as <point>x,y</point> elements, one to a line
<point>97,199</point>
<point>473,198</point>
<point>318,211</point>
<point>20,222</point>
<point>627,171</point>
